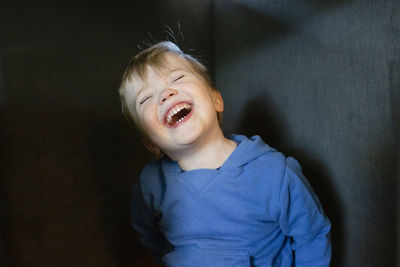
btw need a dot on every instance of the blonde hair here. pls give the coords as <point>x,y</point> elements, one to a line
<point>154,58</point>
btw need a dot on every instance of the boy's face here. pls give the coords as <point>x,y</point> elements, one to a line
<point>174,106</point>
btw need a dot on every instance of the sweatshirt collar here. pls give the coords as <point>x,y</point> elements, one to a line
<point>246,150</point>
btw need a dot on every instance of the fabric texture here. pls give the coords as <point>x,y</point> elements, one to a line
<point>257,209</point>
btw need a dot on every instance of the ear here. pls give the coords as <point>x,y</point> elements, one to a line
<point>152,148</point>
<point>218,102</point>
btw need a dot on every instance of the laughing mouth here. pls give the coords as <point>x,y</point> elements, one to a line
<point>178,113</point>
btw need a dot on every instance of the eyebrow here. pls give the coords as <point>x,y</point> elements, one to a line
<point>169,72</point>
<point>176,69</point>
<point>138,94</point>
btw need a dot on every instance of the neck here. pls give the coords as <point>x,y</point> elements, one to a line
<point>210,155</point>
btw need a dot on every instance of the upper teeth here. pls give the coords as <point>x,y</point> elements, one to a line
<point>175,110</point>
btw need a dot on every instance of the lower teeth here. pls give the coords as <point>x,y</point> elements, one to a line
<point>181,119</point>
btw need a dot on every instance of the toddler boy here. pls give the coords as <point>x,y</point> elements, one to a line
<point>211,200</point>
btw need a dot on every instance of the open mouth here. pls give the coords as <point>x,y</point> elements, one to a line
<point>177,114</point>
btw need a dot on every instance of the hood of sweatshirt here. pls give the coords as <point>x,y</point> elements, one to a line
<point>247,149</point>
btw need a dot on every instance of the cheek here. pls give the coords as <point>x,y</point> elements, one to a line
<point>209,102</point>
<point>149,118</point>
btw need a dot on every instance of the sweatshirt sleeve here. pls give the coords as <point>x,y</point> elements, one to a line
<point>303,220</point>
<point>145,223</point>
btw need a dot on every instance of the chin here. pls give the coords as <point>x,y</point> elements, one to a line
<point>187,137</point>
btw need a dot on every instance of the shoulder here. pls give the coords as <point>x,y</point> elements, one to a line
<point>275,165</point>
<point>265,164</point>
<point>287,181</point>
<point>295,182</point>
<point>269,160</point>
<point>151,178</point>
<point>274,159</point>
<point>150,186</point>
<point>151,170</point>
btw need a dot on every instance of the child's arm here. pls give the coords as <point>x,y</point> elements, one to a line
<point>146,224</point>
<point>302,218</point>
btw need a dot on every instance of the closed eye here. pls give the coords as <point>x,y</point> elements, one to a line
<point>144,100</point>
<point>177,79</point>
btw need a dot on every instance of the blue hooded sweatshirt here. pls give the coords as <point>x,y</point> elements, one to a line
<point>257,209</point>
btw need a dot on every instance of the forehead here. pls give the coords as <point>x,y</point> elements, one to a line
<point>168,64</point>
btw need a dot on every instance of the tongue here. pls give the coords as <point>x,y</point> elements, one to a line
<point>178,116</point>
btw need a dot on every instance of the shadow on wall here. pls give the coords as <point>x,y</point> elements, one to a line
<point>268,25</point>
<point>394,83</point>
<point>265,26</point>
<point>117,158</point>
<point>272,29</point>
<point>258,118</point>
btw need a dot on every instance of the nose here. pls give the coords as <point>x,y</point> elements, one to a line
<point>167,94</point>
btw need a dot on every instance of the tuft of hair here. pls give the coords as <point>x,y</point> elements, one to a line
<point>153,57</point>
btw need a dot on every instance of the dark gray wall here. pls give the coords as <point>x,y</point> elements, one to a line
<point>320,81</point>
<point>68,157</point>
